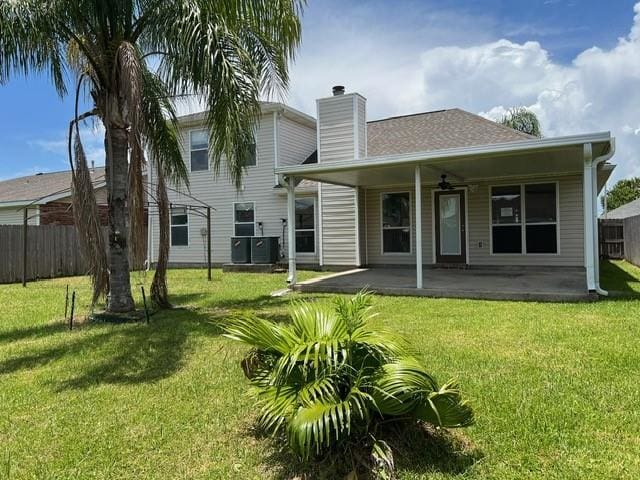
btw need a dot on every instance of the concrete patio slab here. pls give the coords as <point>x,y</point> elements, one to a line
<point>554,284</point>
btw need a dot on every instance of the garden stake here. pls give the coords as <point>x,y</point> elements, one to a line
<point>73,306</point>
<point>144,302</point>
<point>66,303</point>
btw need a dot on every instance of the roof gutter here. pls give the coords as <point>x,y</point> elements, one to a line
<point>447,154</point>
<point>594,172</point>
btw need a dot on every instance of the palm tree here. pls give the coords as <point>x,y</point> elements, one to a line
<point>523,120</point>
<point>131,58</point>
<point>329,378</point>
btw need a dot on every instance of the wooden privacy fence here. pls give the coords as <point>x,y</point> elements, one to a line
<point>52,251</point>
<point>632,239</point>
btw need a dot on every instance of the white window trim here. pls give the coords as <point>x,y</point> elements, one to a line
<point>382,229</point>
<point>233,213</point>
<point>191,150</point>
<point>315,216</point>
<point>523,223</point>
<point>171,225</point>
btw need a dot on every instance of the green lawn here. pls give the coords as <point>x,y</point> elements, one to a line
<point>555,386</point>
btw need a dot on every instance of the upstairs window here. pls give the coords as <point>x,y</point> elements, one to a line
<point>305,225</point>
<point>179,227</point>
<point>396,222</point>
<point>199,145</point>
<point>250,158</point>
<point>244,219</point>
<point>524,218</point>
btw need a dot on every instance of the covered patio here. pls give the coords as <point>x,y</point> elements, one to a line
<point>569,271</point>
<point>552,285</point>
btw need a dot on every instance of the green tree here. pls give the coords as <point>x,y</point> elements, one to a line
<point>523,120</point>
<point>131,58</point>
<point>624,191</point>
<point>328,380</point>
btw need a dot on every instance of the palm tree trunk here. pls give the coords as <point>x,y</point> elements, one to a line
<point>119,299</point>
<point>159,292</point>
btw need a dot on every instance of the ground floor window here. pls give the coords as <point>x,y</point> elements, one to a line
<point>179,227</point>
<point>396,222</point>
<point>524,218</point>
<point>305,225</point>
<point>244,219</point>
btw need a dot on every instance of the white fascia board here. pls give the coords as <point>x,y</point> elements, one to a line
<point>446,154</point>
<point>200,117</point>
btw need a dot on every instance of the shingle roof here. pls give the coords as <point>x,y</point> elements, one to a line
<point>35,187</point>
<point>436,130</point>
<point>627,210</point>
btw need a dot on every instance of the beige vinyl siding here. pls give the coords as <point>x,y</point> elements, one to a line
<point>295,141</point>
<point>15,216</point>
<point>374,228</point>
<point>362,125</point>
<point>338,120</point>
<point>570,223</point>
<point>221,194</point>
<point>571,231</point>
<point>339,225</point>
<point>335,119</point>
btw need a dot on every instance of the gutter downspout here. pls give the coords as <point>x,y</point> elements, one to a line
<point>597,161</point>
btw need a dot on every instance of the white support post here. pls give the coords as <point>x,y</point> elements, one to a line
<point>291,230</point>
<point>418,209</point>
<point>589,215</point>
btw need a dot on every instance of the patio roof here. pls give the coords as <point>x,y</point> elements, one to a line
<point>531,157</point>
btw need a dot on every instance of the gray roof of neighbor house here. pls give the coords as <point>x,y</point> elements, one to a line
<point>41,185</point>
<point>437,130</point>
<point>627,210</point>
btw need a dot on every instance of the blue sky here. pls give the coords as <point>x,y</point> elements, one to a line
<point>408,56</point>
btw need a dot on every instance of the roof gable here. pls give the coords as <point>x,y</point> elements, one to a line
<point>35,187</point>
<point>436,130</point>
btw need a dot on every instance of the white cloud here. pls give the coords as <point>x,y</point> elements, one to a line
<point>92,135</point>
<point>599,90</point>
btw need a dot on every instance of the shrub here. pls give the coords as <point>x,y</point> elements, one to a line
<point>329,379</point>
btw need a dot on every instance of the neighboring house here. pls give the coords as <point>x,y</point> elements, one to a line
<point>620,232</point>
<point>47,196</point>
<point>372,193</point>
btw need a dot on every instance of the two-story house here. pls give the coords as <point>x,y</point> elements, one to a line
<point>434,189</point>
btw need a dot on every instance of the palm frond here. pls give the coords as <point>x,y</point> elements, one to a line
<point>315,426</point>
<point>260,334</point>
<point>136,199</point>
<point>400,385</point>
<point>87,222</point>
<point>445,408</point>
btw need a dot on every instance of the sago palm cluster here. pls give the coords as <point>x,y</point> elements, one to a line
<point>329,377</point>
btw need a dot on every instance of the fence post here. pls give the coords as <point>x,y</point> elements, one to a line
<point>209,243</point>
<point>24,247</point>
